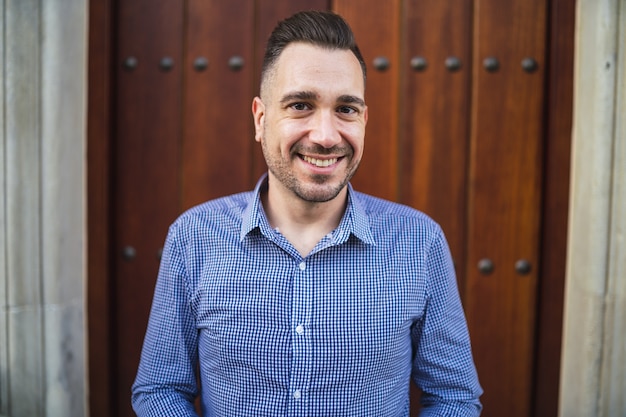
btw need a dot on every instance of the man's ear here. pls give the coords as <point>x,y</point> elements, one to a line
<point>258,113</point>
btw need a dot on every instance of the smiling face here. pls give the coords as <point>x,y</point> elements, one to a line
<point>311,121</point>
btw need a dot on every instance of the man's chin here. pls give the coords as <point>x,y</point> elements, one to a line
<point>319,193</point>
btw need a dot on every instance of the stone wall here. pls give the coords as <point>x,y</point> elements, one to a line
<point>593,378</point>
<point>42,212</point>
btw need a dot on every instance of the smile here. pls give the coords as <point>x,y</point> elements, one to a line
<point>320,162</point>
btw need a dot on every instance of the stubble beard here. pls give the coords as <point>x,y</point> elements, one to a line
<point>320,191</point>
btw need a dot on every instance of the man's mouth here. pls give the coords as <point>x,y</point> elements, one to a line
<point>321,163</point>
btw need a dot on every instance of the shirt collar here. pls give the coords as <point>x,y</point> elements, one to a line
<point>355,220</point>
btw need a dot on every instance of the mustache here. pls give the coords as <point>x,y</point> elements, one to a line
<point>320,150</point>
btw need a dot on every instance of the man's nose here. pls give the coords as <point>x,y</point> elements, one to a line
<point>324,131</point>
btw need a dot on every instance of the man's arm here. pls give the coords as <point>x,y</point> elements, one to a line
<point>443,366</point>
<point>166,381</point>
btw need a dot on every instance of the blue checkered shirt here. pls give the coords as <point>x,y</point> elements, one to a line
<point>340,332</point>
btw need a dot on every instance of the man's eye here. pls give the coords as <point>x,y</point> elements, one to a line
<point>300,106</point>
<point>347,110</point>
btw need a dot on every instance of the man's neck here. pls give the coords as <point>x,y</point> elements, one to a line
<point>301,222</point>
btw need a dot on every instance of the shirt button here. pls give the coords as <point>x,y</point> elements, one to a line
<point>302,266</point>
<point>297,394</point>
<point>299,329</point>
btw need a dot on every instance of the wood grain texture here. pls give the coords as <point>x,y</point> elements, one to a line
<point>217,122</point>
<point>99,225</point>
<point>557,149</point>
<point>505,199</point>
<point>147,170</point>
<point>435,116</point>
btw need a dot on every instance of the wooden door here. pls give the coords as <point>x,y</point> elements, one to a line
<point>459,127</point>
<point>146,173</point>
<point>504,198</point>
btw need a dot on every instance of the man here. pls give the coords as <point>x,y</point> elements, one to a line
<point>304,297</point>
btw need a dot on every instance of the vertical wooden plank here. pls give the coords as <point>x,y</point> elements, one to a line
<point>434,119</point>
<point>376,25</point>
<point>23,222</point>
<point>435,114</point>
<point>505,199</point>
<point>555,206</point>
<point>218,132</point>
<point>268,14</point>
<point>99,224</point>
<point>147,156</point>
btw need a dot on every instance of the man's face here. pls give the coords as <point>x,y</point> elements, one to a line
<point>311,121</point>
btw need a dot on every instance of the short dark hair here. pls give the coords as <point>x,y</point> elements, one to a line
<point>319,28</point>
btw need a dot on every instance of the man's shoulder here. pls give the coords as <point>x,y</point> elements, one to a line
<point>380,207</point>
<point>220,204</point>
<point>398,224</point>
<point>226,209</point>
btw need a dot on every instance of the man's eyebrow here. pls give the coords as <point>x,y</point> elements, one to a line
<point>298,95</point>
<point>310,96</point>
<point>348,99</point>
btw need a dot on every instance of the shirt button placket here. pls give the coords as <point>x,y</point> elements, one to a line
<point>300,342</point>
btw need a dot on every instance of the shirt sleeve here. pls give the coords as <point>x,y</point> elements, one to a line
<point>443,367</point>
<point>166,379</point>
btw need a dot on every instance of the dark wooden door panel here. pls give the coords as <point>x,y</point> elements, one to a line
<point>435,114</point>
<point>505,198</point>
<point>376,27</point>
<point>99,227</point>
<point>555,203</point>
<point>146,171</point>
<point>434,118</point>
<point>218,85</point>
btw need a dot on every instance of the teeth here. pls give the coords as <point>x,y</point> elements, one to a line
<point>319,162</point>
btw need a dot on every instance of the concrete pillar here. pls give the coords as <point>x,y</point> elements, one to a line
<point>593,378</point>
<point>42,212</point>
